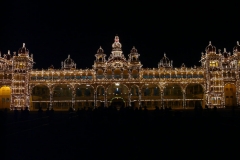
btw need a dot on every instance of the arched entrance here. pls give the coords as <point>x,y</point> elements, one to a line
<point>5,93</point>
<point>194,96</point>
<point>230,95</point>
<point>40,97</point>
<point>117,102</point>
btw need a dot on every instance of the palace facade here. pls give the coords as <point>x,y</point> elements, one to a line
<point>120,81</point>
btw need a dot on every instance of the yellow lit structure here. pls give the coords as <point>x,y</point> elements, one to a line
<point>120,81</point>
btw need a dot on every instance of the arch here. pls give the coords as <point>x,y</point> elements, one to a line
<point>5,96</point>
<point>40,97</point>
<point>84,96</point>
<point>134,91</point>
<point>62,96</point>
<point>117,73</point>
<point>117,90</point>
<point>117,102</point>
<point>135,73</point>
<point>230,95</point>
<point>100,93</point>
<point>194,95</point>
<point>173,96</point>
<point>151,95</point>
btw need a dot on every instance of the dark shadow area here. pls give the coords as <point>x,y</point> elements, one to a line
<point>120,134</point>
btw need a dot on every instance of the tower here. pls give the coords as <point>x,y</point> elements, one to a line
<point>212,64</point>
<point>22,65</point>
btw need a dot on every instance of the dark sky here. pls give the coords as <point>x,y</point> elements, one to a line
<point>53,29</point>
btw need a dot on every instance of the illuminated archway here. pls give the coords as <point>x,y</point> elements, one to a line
<point>100,96</point>
<point>117,90</point>
<point>117,102</point>
<point>84,96</point>
<point>230,95</point>
<point>173,96</point>
<point>5,94</point>
<point>151,96</point>
<point>194,95</point>
<point>40,97</point>
<point>62,97</point>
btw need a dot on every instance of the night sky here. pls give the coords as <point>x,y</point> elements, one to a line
<point>54,29</point>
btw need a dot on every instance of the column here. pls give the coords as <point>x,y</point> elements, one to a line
<point>129,74</point>
<point>112,74</point>
<point>105,99</point>
<point>184,99</point>
<point>95,99</point>
<point>162,102</point>
<point>139,98</point>
<point>51,99</point>
<point>73,98</point>
<point>129,98</point>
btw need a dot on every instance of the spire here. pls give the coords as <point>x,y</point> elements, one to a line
<point>8,51</point>
<point>224,50</point>
<point>116,45</point>
<point>23,45</point>
<point>210,43</point>
<point>116,39</point>
<point>238,43</point>
<point>68,56</point>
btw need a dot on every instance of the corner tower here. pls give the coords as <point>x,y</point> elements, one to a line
<point>22,65</point>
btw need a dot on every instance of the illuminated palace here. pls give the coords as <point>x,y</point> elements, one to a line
<point>120,81</point>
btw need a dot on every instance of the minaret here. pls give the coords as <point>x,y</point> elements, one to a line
<point>22,65</point>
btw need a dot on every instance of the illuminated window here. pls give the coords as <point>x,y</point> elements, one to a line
<point>238,63</point>
<point>213,64</point>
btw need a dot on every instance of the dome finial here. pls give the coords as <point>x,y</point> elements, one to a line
<point>8,51</point>
<point>238,43</point>
<point>116,39</point>
<point>164,54</point>
<point>23,45</point>
<point>210,43</point>
<point>68,56</point>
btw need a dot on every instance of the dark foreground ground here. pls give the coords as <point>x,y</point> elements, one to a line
<point>125,134</point>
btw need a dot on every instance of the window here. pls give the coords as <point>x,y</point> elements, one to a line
<point>226,89</point>
<point>227,97</point>
<point>231,89</point>
<point>213,64</point>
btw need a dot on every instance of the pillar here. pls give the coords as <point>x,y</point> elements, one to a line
<point>139,98</point>
<point>184,99</point>
<point>129,98</point>
<point>73,98</point>
<point>95,99</point>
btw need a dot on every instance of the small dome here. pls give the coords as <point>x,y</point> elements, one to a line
<point>236,48</point>
<point>7,56</point>
<point>23,50</point>
<point>51,67</point>
<point>165,62</point>
<point>100,50</point>
<point>68,63</point>
<point>134,50</point>
<point>225,54</point>
<point>210,48</point>
<point>116,45</point>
